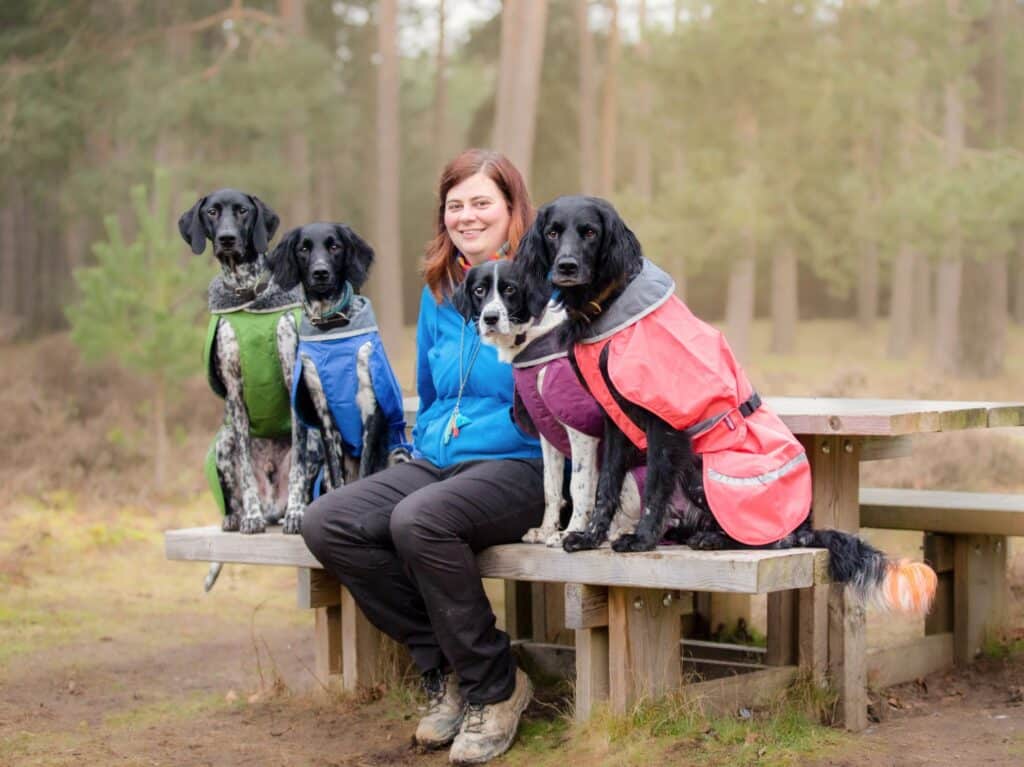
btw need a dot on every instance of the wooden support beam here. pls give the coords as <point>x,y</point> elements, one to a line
<point>315,588</point>
<point>585,606</point>
<point>939,553</point>
<point>847,654</point>
<point>361,646</point>
<point>979,576</point>
<point>327,650</point>
<point>643,645</point>
<point>941,511</point>
<point>548,603</point>
<point>881,448</point>
<point>592,670</point>
<point>727,695</point>
<point>518,610</point>
<point>812,640</point>
<point>912,660</point>
<point>782,628</point>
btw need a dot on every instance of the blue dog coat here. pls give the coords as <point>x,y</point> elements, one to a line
<point>333,355</point>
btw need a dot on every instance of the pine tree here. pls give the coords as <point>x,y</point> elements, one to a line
<point>141,305</point>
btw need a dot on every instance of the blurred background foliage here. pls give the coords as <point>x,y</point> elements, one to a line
<point>785,159</point>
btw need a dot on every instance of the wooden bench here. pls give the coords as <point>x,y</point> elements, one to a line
<point>624,609</point>
<point>965,542</point>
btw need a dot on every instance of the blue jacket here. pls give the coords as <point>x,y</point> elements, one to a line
<point>332,353</point>
<point>488,430</point>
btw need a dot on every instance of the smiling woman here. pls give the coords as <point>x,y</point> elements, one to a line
<point>403,540</point>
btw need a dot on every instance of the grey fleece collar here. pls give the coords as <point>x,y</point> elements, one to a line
<point>645,293</point>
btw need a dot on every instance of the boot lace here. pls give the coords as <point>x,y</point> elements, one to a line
<point>474,718</point>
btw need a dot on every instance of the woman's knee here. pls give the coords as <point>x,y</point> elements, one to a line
<point>414,527</point>
<point>314,531</point>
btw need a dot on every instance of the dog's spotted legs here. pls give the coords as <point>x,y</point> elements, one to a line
<point>301,471</point>
<point>554,463</point>
<point>236,453</point>
<point>609,490</point>
<point>335,472</point>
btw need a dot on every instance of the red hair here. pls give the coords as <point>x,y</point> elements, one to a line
<point>440,269</point>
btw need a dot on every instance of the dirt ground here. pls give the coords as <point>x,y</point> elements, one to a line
<point>111,655</point>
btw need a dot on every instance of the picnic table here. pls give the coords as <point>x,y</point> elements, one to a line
<point>623,607</point>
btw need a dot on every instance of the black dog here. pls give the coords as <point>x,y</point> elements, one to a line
<point>580,247</point>
<point>264,471</point>
<point>342,364</point>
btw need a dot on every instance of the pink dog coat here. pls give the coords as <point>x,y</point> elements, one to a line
<point>661,357</point>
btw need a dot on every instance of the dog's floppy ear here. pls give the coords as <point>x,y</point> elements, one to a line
<point>357,255</point>
<point>282,262</point>
<point>533,262</point>
<point>191,226</point>
<point>624,254</point>
<point>264,226</point>
<point>462,298</point>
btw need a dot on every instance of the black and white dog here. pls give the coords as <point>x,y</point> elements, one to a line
<point>528,334</point>
<point>344,383</point>
<point>265,461</point>
<point>582,247</point>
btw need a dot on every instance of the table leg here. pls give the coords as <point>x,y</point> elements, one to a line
<point>643,645</point>
<point>835,468</point>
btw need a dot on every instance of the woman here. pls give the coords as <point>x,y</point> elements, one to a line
<point>403,540</point>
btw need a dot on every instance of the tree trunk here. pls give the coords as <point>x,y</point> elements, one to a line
<point>867,286</point>
<point>947,291</point>
<point>588,101</point>
<point>785,312</point>
<point>610,106</point>
<point>924,292</point>
<point>984,317</point>
<point>441,94</point>
<point>522,55</point>
<point>642,167</point>
<point>9,309</point>
<point>739,309</point>
<point>1018,294</point>
<point>677,259</point>
<point>388,278</point>
<point>160,441</point>
<point>901,311</point>
<point>299,209</point>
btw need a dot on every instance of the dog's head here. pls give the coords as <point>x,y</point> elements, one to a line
<point>238,224</point>
<point>579,245</point>
<point>323,257</point>
<point>492,295</point>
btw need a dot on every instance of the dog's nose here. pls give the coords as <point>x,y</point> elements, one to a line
<point>226,240</point>
<point>490,318</point>
<point>567,268</point>
<point>321,275</point>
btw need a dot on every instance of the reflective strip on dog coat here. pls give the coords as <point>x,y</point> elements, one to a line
<point>661,357</point>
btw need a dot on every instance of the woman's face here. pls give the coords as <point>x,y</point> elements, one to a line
<point>476,216</point>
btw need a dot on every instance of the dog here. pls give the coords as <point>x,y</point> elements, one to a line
<point>549,401</point>
<point>262,462</point>
<point>343,383</point>
<point>669,383</point>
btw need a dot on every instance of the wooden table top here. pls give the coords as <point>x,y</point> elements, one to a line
<point>875,417</point>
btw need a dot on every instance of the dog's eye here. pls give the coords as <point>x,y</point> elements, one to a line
<point>334,247</point>
<point>212,212</point>
<point>510,290</point>
<point>479,291</point>
<point>553,234</point>
<point>242,211</point>
<point>304,248</point>
<point>589,234</point>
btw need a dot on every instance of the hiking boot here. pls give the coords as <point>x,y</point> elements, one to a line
<point>445,708</point>
<point>489,729</point>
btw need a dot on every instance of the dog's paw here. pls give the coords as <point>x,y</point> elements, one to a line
<point>231,522</point>
<point>556,539</point>
<point>706,541</point>
<point>538,534</point>
<point>292,523</point>
<point>253,524</point>
<point>397,456</point>
<point>631,542</point>
<point>580,542</point>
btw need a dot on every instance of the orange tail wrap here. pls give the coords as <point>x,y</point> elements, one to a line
<point>909,587</point>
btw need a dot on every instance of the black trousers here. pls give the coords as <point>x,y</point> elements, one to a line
<point>403,542</point>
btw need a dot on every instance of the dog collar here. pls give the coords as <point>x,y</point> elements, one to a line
<point>594,307</point>
<point>336,315</point>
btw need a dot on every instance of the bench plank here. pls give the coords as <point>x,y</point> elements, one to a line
<point>940,511</point>
<point>670,567</point>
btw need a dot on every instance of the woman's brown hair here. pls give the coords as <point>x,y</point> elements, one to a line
<point>440,269</point>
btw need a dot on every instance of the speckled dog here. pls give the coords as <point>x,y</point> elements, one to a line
<point>261,463</point>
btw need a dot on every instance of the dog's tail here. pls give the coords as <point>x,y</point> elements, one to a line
<point>893,585</point>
